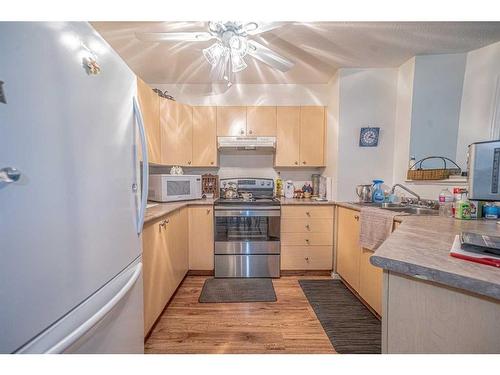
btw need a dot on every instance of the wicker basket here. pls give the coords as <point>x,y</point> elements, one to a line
<point>416,172</point>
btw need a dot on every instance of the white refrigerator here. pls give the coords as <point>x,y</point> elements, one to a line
<point>71,203</point>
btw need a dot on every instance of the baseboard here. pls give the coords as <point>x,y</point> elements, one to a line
<point>200,273</point>
<point>306,273</point>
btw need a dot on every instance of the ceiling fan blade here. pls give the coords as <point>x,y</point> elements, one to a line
<point>186,36</point>
<point>254,28</point>
<point>269,57</point>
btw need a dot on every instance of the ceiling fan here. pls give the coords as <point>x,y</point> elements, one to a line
<point>232,44</point>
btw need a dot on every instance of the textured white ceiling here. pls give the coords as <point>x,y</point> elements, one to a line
<point>318,48</point>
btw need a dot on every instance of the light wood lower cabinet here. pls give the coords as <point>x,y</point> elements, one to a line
<point>201,238</point>
<point>353,262</point>
<point>165,260</point>
<point>370,281</point>
<point>306,237</point>
<point>348,250</point>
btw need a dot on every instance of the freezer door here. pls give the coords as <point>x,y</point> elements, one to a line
<point>110,321</point>
<point>68,225</point>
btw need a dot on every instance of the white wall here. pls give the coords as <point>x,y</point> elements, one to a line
<point>332,139</point>
<point>480,100</point>
<point>437,92</point>
<point>366,97</point>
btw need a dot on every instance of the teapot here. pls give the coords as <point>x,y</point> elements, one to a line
<point>364,193</point>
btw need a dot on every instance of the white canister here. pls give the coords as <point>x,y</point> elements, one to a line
<point>289,189</point>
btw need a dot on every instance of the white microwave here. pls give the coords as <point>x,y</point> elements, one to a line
<point>168,187</point>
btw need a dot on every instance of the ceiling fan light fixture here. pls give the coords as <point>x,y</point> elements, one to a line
<point>237,62</point>
<point>214,53</point>
<point>238,44</point>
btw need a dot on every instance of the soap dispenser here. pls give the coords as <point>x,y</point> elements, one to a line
<point>378,194</point>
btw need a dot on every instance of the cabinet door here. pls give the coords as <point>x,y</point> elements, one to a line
<point>261,121</point>
<point>204,136</point>
<point>231,121</point>
<point>155,259</point>
<point>149,102</point>
<point>348,250</point>
<point>179,247</point>
<point>287,136</point>
<point>312,136</point>
<point>201,238</point>
<point>370,281</point>
<point>176,122</point>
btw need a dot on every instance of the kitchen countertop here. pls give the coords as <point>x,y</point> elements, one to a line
<point>162,209</point>
<point>304,201</point>
<point>420,247</point>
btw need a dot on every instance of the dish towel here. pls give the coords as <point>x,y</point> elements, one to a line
<point>376,226</point>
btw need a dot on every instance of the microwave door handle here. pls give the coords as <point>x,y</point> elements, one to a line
<point>145,166</point>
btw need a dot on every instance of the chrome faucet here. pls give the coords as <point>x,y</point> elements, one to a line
<point>406,189</point>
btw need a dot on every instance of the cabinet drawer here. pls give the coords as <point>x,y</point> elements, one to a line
<point>307,239</point>
<point>306,257</point>
<point>306,225</point>
<point>313,212</point>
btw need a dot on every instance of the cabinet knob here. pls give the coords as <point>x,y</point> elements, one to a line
<point>356,217</point>
<point>189,162</point>
<point>296,163</point>
<point>308,213</point>
<point>307,259</point>
<point>208,211</point>
<point>303,162</point>
<point>211,163</point>
<point>308,227</point>
<point>242,132</point>
<point>250,132</point>
<point>307,241</point>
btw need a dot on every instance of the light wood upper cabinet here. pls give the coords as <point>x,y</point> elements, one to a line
<point>204,136</point>
<point>176,124</point>
<point>201,238</point>
<point>231,121</point>
<point>348,250</point>
<point>312,136</point>
<point>287,136</point>
<point>149,102</point>
<point>261,121</point>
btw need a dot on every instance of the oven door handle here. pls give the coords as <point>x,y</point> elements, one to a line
<point>247,213</point>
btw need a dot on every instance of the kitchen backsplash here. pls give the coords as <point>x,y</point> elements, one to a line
<point>249,165</point>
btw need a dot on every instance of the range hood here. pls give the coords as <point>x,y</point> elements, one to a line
<point>246,143</point>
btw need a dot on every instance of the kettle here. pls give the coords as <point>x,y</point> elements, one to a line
<point>364,193</point>
<point>289,189</point>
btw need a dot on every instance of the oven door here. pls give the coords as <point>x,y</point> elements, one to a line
<point>245,230</point>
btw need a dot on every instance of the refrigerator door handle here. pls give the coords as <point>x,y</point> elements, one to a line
<point>73,337</point>
<point>145,166</point>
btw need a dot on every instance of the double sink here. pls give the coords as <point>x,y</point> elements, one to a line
<point>403,208</point>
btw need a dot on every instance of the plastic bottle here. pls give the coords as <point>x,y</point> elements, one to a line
<point>445,203</point>
<point>279,186</point>
<point>378,194</point>
<point>462,208</point>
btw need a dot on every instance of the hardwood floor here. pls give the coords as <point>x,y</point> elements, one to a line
<point>286,326</point>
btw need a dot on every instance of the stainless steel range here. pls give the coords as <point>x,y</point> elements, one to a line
<point>247,229</point>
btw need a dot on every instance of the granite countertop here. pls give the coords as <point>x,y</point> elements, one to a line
<point>304,201</point>
<point>420,247</point>
<point>162,209</point>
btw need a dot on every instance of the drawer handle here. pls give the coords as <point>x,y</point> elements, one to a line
<point>307,241</point>
<point>307,259</point>
<point>308,227</point>
<point>308,213</point>
<point>356,217</point>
